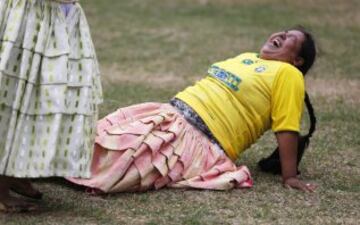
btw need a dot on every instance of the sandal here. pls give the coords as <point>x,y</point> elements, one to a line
<point>37,195</point>
<point>18,207</point>
<point>23,189</point>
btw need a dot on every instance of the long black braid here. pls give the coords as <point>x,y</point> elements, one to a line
<point>272,164</point>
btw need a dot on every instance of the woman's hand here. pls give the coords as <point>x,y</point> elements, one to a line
<point>288,142</point>
<point>296,183</point>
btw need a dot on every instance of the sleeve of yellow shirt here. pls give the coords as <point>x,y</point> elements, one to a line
<point>287,100</point>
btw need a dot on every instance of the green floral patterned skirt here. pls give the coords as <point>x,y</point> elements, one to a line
<point>49,90</point>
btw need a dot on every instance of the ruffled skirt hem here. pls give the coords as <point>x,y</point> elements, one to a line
<point>150,146</point>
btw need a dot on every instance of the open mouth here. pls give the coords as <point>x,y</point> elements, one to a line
<point>276,42</point>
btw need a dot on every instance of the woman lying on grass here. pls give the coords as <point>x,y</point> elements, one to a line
<point>193,141</point>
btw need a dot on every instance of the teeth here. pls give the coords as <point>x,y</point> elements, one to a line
<point>276,43</point>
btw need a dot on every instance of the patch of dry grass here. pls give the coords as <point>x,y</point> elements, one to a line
<point>112,74</point>
<point>332,90</point>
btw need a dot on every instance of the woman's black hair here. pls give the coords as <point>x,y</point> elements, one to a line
<point>307,50</point>
<point>272,164</point>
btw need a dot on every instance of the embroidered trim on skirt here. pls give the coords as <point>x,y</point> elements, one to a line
<point>150,146</point>
<point>49,90</point>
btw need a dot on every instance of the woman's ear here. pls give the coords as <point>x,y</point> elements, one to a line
<point>298,61</point>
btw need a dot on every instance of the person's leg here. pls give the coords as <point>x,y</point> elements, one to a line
<point>9,203</point>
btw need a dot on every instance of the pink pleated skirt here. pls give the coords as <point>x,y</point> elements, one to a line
<point>149,146</point>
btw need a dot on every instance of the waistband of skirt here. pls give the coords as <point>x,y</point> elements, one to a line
<point>193,118</point>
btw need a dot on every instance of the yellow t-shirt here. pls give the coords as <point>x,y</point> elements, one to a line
<point>244,96</point>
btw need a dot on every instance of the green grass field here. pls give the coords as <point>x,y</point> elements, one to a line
<point>149,50</point>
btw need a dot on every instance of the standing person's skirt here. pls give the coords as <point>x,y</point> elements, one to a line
<point>150,146</point>
<point>49,89</point>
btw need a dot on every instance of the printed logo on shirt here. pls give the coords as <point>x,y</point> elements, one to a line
<point>260,69</point>
<point>230,80</point>
<point>248,61</point>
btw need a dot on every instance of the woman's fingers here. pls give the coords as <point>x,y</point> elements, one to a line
<point>311,187</point>
<point>300,185</point>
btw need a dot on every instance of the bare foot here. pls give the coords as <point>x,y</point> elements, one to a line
<point>23,187</point>
<point>11,204</point>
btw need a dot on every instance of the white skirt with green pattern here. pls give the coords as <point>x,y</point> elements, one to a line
<point>49,90</point>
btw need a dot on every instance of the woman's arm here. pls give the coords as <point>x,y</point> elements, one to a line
<point>288,141</point>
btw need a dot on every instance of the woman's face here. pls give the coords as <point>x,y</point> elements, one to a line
<point>284,46</point>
